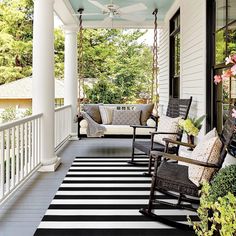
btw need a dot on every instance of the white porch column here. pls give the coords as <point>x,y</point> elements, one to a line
<point>43,79</point>
<point>71,82</point>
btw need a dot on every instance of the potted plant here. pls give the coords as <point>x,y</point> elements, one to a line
<point>191,127</point>
<point>217,210</point>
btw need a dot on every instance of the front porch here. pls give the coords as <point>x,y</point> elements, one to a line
<point>25,210</point>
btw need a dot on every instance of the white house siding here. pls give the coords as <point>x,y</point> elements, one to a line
<point>192,55</point>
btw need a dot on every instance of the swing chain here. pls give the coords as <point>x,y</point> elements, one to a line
<point>80,58</point>
<point>155,57</point>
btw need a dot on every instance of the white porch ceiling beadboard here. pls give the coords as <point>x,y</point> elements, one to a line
<point>96,21</point>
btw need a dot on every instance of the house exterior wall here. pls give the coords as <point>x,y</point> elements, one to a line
<point>192,55</point>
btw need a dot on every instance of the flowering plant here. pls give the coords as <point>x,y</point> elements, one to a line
<point>227,74</point>
<point>191,126</point>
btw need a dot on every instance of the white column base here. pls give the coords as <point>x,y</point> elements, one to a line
<point>50,168</point>
<point>73,137</point>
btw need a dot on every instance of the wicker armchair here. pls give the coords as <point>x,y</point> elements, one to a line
<point>172,178</point>
<point>176,108</point>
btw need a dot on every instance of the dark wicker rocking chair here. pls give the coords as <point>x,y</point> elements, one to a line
<point>172,178</point>
<point>176,108</point>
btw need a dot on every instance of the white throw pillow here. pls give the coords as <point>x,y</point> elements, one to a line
<point>211,134</point>
<point>206,151</point>
<point>151,122</point>
<point>168,125</point>
<point>106,114</point>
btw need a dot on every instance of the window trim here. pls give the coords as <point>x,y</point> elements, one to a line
<point>172,34</point>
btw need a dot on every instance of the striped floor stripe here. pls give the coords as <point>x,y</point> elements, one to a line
<point>102,196</point>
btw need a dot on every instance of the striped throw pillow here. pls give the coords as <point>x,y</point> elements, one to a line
<point>106,114</point>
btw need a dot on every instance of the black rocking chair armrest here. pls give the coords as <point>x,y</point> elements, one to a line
<point>168,140</point>
<point>157,155</point>
<point>154,133</point>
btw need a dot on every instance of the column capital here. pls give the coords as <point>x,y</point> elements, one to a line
<point>69,29</point>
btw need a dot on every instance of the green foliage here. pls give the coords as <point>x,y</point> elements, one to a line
<point>8,114</point>
<point>216,217</point>
<point>223,182</point>
<point>121,65</point>
<point>15,39</point>
<point>103,92</point>
<point>197,122</point>
<point>28,112</point>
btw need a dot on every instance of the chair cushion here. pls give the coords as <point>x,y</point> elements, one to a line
<point>146,112</point>
<point>174,177</point>
<point>167,124</point>
<point>93,111</point>
<point>126,117</point>
<point>206,151</point>
<point>145,146</point>
<point>106,114</point>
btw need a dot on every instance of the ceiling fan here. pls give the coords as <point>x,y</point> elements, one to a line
<point>113,11</point>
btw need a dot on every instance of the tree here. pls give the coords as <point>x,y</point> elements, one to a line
<point>15,39</point>
<point>121,65</point>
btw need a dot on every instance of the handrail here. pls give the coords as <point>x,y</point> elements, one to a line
<point>62,108</point>
<point>11,124</point>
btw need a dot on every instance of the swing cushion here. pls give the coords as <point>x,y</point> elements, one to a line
<point>146,111</point>
<point>126,117</point>
<point>93,111</point>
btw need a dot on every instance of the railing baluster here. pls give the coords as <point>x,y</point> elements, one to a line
<point>22,151</point>
<point>13,159</point>
<point>2,165</point>
<point>17,154</point>
<point>7,160</point>
<point>30,146</point>
<point>26,149</point>
<point>33,143</point>
<point>39,140</point>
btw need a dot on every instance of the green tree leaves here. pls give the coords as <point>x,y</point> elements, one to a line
<point>121,66</point>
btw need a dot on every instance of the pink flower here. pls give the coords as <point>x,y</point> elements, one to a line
<point>228,60</point>
<point>227,74</point>
<point>234,58</point>
<point>234,113</point>
<point>233,69</point>
<point>217,79</point>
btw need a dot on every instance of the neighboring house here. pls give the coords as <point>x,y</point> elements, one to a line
<point>18,94</point>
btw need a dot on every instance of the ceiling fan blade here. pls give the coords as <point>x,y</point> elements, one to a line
<point>134,18</point>
<point>132,8</point>
<point>98,4</point>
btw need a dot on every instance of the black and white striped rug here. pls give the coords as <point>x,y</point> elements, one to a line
<point>101,196</point>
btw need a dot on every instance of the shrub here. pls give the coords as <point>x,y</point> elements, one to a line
<point>8,114</point>
<point>216,217</point>
<point>223,182</point>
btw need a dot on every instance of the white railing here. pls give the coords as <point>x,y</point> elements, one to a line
<point>62,125</point>
<point>19,152</point>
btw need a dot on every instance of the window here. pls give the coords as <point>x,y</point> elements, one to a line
<point>225,44</point>
<point>175,56</point>
<point>221,43</point>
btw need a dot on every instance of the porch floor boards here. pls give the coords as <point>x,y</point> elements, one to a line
<point>22,214</point>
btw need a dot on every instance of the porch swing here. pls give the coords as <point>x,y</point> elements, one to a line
<point>153,92</point>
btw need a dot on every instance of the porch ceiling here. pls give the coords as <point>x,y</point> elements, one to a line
<point>94,17</point>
